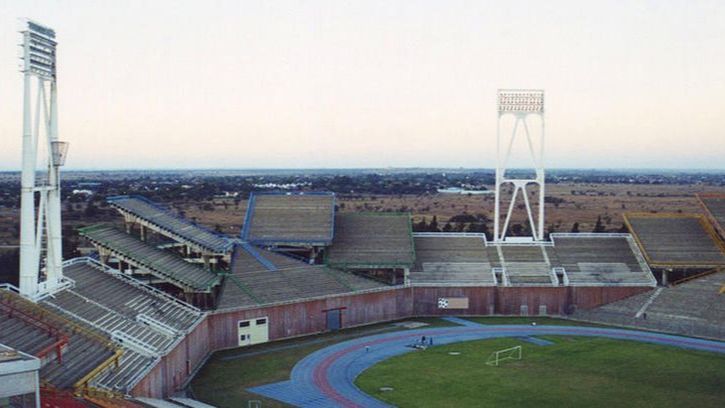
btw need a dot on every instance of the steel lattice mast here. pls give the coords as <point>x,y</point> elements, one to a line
<point>40,225</point>
<point>521,103</point>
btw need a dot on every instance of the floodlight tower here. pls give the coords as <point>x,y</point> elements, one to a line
<point>522,104</point>
<point>40,226</point>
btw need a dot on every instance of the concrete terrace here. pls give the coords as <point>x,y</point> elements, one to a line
<point>252,283</point>
<point>693,308</point>
<point>289,219</point>
<point>714,205</point>
<point>676,240</point>
<point>445,258</point>
<point>372,240</point>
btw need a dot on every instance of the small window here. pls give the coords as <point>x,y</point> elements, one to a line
<point>244,324</point>
<point>242,337</point>
<point>261,321</point>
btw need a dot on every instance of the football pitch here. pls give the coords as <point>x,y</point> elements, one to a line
<point>573,371</point>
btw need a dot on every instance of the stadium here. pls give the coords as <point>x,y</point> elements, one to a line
<point>135,322</point>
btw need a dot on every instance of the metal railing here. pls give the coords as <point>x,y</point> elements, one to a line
<point>61,339</point>
<point>134,344</point>
<point>158,326</point>
<point>137,283</point>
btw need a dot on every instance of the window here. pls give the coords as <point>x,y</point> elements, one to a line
<point>261,321</point>
<point>242,337</point>
<point>244,324</point>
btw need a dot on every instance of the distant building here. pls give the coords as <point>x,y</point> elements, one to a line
<point>458,190</point>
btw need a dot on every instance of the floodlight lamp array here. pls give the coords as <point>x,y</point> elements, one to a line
<point>39,44</point>
<point>520,101</point>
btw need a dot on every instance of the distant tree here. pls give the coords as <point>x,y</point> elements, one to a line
<point>448,227</point>
<point>91,210</point>
<point>599,226</point>
<point>421,226</point>
<point>433,226</point>
<point>478,227</point>
<point>575,227</point>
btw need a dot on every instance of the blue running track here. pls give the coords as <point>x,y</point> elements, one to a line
<point>326,377</point>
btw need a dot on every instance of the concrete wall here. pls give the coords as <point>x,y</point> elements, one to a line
<point>219,330</point>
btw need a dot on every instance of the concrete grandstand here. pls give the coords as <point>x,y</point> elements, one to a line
<point>686,241</point>
<point>150,341</point>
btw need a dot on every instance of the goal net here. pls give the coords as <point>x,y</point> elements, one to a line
<point>512,353</point>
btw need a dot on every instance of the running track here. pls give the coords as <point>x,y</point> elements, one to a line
<point>326,377</point>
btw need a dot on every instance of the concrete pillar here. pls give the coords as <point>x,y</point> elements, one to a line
<point>406,276</point>
<point>142,231</point>
<point>207,264</point>
<point>665,281</point>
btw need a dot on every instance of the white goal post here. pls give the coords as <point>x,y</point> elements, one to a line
<point>511,353</point>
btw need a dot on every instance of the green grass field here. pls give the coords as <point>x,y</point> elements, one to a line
<point>224,379</point>
<point>573,372</point>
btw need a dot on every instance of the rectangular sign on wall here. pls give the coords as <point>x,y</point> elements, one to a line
<point>453,303</point>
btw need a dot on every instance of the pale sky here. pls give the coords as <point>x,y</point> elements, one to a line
<point>243,84</point>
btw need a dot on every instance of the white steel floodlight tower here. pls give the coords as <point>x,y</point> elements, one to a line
<point>521,103</point>
<point>40,226</point>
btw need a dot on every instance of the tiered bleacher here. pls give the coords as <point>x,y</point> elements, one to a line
<point>524,265</point>
<point>693,308</point>
<point>33,328</point>
<point>167,223</point>
<point>676,240</point>
<point>372,240</point>
<point>289,218</point>
<point>601,259</point>
<point>714,205</point>
<point>147,323</point>
<point>149,259</point>
<point>252,283</point>
<point>451,259</point>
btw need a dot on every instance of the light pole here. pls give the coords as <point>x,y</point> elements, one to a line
<point>521,103</point>
<point>40,226</point>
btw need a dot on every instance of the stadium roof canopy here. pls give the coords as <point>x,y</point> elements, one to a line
<point>167,223</point>
<point>162,264</point>
<point>282,218</point>
<point>372,240</point>
<point>676,240</point>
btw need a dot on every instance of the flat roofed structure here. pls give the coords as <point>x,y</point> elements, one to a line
<point>601,260</point>
<point>295,219</point>
<point>19,385</point>
<point>455,258</point>
<point>165,222</point>
<point>149,259</point>
<point>714,206</point>
<point>252,283</point>
<point>676,240</point>
<point>372,240</point>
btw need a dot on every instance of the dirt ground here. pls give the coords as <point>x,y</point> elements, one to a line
<point>581,203</point>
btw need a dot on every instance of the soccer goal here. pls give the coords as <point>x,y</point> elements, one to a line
<point>512,353</point>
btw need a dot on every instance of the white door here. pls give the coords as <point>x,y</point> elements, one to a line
<point>253,331</point>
